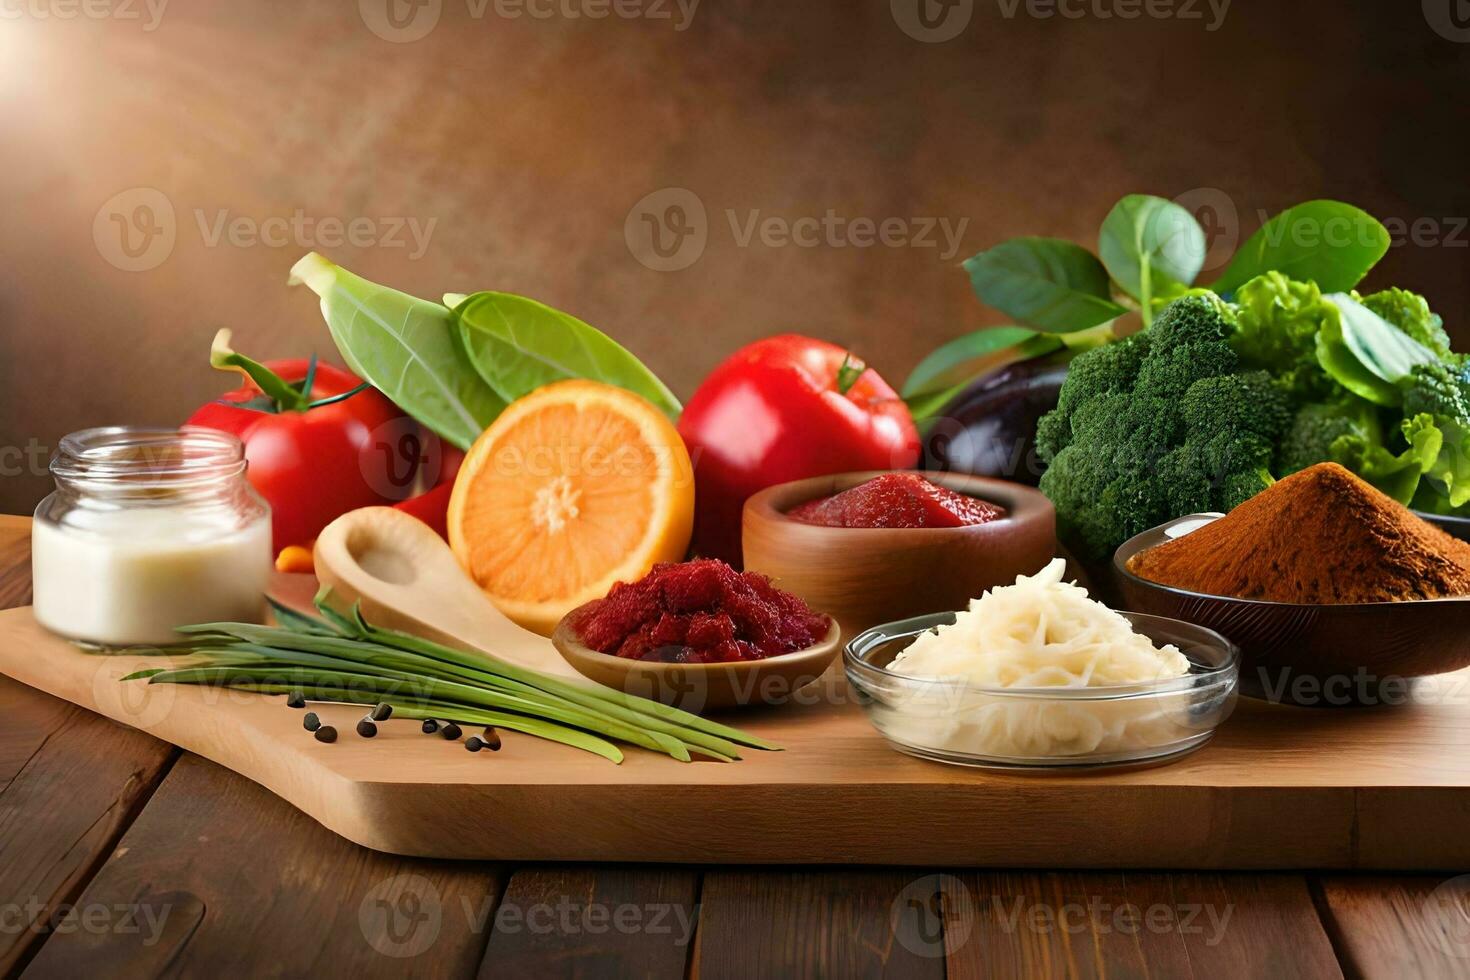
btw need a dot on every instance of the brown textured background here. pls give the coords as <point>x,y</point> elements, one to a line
<point>528,141</point>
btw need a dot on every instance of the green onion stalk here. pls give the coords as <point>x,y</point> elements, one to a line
<point>345,659</point>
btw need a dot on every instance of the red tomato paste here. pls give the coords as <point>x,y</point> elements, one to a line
<point>896,500</point>
<point>700,612</point>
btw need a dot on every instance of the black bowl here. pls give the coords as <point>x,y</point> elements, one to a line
<point>1353,653</point>
<point>1458,527</point>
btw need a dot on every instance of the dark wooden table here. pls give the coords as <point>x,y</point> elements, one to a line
<point>122,856</point>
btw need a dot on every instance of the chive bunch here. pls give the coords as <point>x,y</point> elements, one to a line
<point>345,659</point>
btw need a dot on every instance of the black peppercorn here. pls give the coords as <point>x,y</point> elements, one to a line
<point>452,731</point>
<point>366,728</point>
<point>430,726</point>
<point>311,722</point>
<point>473,743</point>
<point>491,739</point>
<point>295,700</point>
<point>326,733</point>
<point>382,712</point>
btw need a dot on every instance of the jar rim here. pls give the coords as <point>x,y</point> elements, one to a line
<point>143,456</point>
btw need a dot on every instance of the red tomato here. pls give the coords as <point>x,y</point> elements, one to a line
<point>774,412</point>
<point>314,466</point>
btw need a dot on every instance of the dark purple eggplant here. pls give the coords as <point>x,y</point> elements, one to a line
<point>989,428</point>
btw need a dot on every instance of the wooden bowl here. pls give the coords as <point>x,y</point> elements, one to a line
<point>1341,654</point>
<point>867,576</point>
<point>701,687</point>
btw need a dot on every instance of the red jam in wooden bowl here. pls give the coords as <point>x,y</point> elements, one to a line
<point>897,500</point>
<point>699,612</point>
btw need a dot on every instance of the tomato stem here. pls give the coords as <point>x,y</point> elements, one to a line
<point>847,375</point>
<point>338,398</point>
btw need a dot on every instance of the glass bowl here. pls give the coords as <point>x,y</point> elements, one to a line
<point>1046,727</point>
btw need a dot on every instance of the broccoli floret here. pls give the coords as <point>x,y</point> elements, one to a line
<point>1410,313</point>
<point>1184,431</point>
<point>1438,389</point>
<point>1277,324</point>
<point>1314,429</point>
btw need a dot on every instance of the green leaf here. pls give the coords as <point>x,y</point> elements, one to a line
<point>1327,242</point>
<point>1150,245</point>
<point>926,405</point>
<point>934,369</point>
<point>1383,349</point>
<point>1045,283</point>
<point>1396,475</point>
<point>406,347</point>
<point>517,345</point>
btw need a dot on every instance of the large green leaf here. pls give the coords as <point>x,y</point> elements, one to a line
<point>517,345</point>
<point>1150,246</point>
<point>951,363</point>
<point>1327,242</point>
<point>406,347</point>
<point>1045,283</point>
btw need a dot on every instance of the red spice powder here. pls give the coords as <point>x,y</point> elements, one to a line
<point>1318,536</point>
<point>700,612</point>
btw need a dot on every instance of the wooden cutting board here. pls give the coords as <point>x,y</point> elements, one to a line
<point>1279,787</point>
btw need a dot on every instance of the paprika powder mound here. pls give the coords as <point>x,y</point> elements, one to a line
<point>1319,536</point>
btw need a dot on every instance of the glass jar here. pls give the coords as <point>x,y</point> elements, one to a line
<point>148,530</point>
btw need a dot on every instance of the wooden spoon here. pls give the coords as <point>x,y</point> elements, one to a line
<point>407,579</point>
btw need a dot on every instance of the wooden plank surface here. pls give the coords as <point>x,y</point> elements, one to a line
<point>810,924</point>
<point>606,922</point>
<point>252,886</point>
<point>70,782</point>
<point>1114,924</point>
<point>226,880</point>
<point>1351,780</point>
<point>1399,926</point>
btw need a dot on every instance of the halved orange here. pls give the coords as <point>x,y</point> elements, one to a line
<point>575,487</point>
